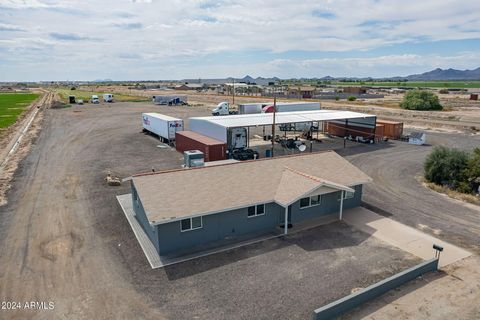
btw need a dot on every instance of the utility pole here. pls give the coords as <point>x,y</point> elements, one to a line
<point>233,91</point>
<point>273,124</point>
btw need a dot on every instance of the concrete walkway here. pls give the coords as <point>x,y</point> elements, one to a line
<point>402,236</point>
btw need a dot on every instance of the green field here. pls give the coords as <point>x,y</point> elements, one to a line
<point>87,95</point>
<point>418,84</point>
<point>12,105</point>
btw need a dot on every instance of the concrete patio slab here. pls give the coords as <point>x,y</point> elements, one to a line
<point>404,237</point>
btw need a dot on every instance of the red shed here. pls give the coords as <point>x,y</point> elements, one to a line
<point>212,149</point>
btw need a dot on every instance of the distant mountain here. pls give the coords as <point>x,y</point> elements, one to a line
<point>437,74</point>
<point>447,74</point>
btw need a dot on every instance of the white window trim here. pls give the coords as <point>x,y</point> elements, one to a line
<point>310,202</point>
<point>191,224</point>
<point>345,195</point>
<point>350,195</point>
<point>256,214</point>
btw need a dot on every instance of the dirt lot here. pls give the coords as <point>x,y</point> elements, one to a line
<point>64,239</point>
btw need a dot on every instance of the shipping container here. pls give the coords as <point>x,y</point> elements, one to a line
<point>212,149</point>
<point>340,129</point>
<point>393,129</point>
<point>379,132</point>
<point>163,126</point>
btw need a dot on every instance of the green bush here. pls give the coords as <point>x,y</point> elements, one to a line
<point>446,166</point>
<point>337,98</point>
<point>352,98</point>
<point>472,173</point>
<point>420,100</point>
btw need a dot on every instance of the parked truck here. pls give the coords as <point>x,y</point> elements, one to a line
<point>222,109</point>
<point>170,100</point>
<point>162,125</point>
<point>108,97</point>
<point>94,99</point>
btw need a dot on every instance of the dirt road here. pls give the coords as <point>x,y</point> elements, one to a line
<point>59,230</point>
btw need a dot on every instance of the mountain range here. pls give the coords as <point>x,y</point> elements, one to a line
<point>447,74</point>
<point>434,75</point>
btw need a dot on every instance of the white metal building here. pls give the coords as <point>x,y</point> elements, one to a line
<point>217,127</point>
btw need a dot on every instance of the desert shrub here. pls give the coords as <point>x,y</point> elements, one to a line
<point>352,98</point>
<point>472,172</point>
<point>337,98</point>
<point>420,100</point>
<point>446,166</point>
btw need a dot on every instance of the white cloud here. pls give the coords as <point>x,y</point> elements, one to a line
<point>181,35</point>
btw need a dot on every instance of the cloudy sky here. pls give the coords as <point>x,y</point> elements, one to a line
<point>175,39</point>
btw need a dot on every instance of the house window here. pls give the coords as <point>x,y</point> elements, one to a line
<point>346,195</point>
<point>191,224</point>
<point>310,201</point>
<point>305,202</point>
<point>254,211</point>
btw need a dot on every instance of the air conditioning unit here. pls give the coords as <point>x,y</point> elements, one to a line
<point>193,158</point>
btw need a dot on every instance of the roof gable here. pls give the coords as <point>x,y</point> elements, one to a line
<point>176,194</point>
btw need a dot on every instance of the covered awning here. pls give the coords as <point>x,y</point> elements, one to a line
<point>265,119</point>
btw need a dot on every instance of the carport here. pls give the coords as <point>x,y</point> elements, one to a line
<point>218,126</point>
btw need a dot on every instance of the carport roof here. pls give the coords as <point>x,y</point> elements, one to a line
<point>263,119</point>
<point>178,194</point>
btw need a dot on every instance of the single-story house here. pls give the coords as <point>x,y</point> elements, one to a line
<point>183,208</point>
<point>302,92</point>
<point>189,86</point>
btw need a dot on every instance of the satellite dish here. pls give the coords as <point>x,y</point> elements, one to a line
<point>302,147</point>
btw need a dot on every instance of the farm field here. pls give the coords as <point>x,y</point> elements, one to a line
<point>396,84</point>
<point>12,105</point>
<point>417,84</point>
<point>86,95</point>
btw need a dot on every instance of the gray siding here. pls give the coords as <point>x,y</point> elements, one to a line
<point>168,237</point>
<point>217,227</point>
<point>142,218</point>
<point>330,204</point>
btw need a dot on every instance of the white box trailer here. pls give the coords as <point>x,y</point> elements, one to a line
<point>208,128</point>
<point>292,106</point>
<point>162,125</point>
<point>235,138</point>
<point>249,108</point>
<point>108,97</point>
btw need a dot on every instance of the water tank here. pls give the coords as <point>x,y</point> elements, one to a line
<point>193,158</point>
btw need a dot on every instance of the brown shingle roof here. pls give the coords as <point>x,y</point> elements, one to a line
<point>176,194</point>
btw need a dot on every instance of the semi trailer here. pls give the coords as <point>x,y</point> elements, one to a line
<point>162,125</point>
